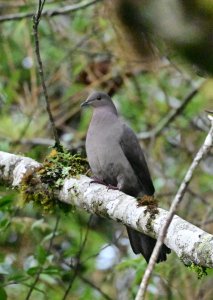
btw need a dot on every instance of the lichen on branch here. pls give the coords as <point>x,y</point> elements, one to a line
<point>41,186</point>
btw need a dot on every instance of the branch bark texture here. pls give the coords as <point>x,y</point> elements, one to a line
<point>190,243</point>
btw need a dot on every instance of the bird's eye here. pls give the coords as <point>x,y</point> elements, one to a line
<point>99,98</point>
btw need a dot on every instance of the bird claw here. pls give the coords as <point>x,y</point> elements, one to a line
<point>109,186</point>
<point>112,187</point>
<point>96,180</point>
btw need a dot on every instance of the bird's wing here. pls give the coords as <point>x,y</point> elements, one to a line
<point>133,152</point>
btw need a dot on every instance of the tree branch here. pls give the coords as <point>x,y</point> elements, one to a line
<point>49,12</point>
<point>191,244</point>
<point>168,222</point>
<point>173,114</point>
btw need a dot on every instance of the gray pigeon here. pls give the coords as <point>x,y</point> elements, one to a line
<point>117,160</point>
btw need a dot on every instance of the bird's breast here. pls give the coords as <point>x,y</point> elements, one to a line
<point>103,151</point>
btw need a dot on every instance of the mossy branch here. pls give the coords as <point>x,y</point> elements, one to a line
<point>191,244</point>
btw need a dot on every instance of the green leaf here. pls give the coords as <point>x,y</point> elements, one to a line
<point>51,270</point>
<point>4,223</point>
<point>49,236</point>
<point>3,295</point>
<point>32,271</point>
<point>41,254</point>
<point>80,24</point>
<point>5,200</point>
<point>17,277</point>
<point>37,224</point>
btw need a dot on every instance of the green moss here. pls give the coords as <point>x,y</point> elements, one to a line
<point>41,186</point>
<point>152,209</point>
<point>201,271</point>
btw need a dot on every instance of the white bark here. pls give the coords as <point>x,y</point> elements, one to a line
<point>14,167</point>
<point>191,244</point>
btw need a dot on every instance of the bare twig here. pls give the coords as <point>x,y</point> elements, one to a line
<point>87,281</point>
<point>49,143</point>
<point>76,268</point>
<point>49,12</point>
<point>169,117</point>
<point>22,4</point>
<point>41,267</point>
<point>179,196</point>
<point>36,20</point>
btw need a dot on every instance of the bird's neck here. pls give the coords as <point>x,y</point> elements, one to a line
<point>102,115</point>
<point>105,110</point>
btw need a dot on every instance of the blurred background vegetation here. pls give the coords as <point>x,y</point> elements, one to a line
<point>148,57</point>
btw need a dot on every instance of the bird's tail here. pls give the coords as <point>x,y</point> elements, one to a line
<point>145,244</point>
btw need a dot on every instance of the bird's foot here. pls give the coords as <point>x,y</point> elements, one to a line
<point>96,180</point>
<point>109,186</point>
<point>112,187</point>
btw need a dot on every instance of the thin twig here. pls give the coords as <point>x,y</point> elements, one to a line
<point>41,267</point>
<point>179,196</point>
<point>78,260</point>
<point>49,143</point>
<point>87,281</point>
<point>22,5</point>
<point>169,117</point>
<point>49,12</point>
<point>36,20</point>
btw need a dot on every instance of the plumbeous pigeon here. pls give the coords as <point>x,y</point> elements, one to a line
<point>116,159</point>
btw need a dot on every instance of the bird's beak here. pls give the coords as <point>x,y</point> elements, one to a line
<point>85,103</point>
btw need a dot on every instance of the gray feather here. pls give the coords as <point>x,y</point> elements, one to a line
<point>133,152</point>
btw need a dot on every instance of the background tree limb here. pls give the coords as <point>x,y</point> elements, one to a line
<point>49,12</point>
<point>174,113</point>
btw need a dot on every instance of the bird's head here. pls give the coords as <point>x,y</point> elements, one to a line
<point>98,99</point>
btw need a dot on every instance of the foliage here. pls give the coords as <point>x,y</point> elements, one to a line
<point>90,49</point>
<point>201,271</point>
<point>40,187</point>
